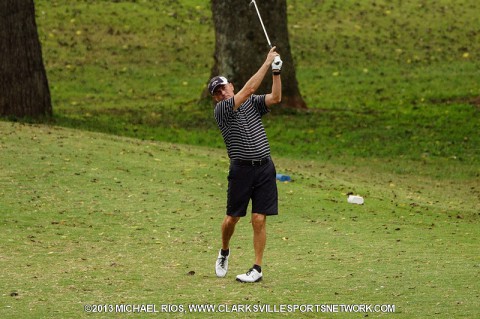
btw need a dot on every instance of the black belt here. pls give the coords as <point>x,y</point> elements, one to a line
<point>259,162</point>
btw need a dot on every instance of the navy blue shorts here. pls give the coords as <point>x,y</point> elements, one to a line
<point>252,181</point>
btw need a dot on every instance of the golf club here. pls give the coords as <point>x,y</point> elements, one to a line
<point>261,21</point>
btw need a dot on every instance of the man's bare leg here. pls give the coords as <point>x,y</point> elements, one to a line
<point>259,224</point>
<point>228,228</point>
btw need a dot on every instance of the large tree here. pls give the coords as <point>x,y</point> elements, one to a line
<point>241,46</point>
<point>24,88</point>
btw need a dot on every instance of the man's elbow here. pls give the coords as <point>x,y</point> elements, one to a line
<point>276,99</point>
<point>273,98</point>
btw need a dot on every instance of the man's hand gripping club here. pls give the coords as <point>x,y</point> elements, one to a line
<point>273,60</point>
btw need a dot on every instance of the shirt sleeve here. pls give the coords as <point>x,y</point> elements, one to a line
<point>223,112</point>
<point>260,104</point>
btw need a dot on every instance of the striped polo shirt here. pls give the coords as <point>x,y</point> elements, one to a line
<point>242,130</point>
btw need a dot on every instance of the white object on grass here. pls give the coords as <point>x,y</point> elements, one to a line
<point>355,199</point>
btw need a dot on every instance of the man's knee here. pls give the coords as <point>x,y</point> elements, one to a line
<point>258,221</point>
<point>231,220</point>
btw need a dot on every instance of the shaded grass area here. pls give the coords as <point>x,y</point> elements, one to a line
<point>394,81</point>
<point>88,218</point>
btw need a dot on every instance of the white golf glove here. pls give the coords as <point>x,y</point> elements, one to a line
<point>277,64</point>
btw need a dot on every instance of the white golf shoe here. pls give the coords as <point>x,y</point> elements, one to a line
<point>251,276</point>
<point>221,266</point>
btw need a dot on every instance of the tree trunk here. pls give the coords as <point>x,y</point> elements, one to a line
<point>241,46</point>
<point>24,88</point>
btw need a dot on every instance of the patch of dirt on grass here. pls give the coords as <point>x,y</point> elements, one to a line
<point>476,102</point>
<point>467,100</point>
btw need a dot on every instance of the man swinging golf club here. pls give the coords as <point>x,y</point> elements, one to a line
<point>252,174</point>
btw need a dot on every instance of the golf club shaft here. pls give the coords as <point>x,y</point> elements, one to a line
<point>261,21</point>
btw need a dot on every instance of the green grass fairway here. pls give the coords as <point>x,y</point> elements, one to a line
<point>118,198</point>
<point>87,218</point>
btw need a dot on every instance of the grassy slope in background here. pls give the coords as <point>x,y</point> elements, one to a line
<point>391,81</point>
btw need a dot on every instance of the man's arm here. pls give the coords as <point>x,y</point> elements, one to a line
<point>254,82</point>
<point>276,96</point>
